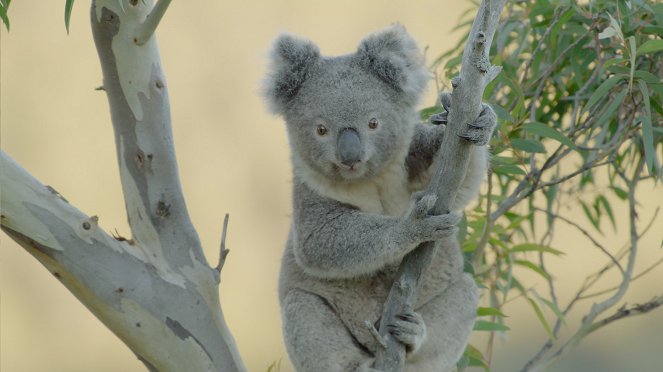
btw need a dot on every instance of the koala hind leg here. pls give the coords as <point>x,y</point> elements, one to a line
<point>449,319</point>
<point>316,338</point>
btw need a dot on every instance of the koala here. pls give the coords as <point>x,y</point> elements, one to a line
<point>360,160</point>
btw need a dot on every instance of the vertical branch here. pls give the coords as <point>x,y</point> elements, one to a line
<point>140,111</point>
<point>476,73</point>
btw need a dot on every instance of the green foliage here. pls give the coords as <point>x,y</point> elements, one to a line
<point>580,94</point>
<point>69,4</point>
<point>4,7</point>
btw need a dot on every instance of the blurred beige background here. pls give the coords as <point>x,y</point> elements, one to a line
<point>233,158</point>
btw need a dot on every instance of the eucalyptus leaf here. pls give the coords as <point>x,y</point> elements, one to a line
<point>484,325</point>
<point>650,46</point>
<point>549,132</point>
<point>528,145</point>
<point>69,4</point>
<point>533,247</point>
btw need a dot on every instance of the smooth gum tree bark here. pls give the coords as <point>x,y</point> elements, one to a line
<point>155,291</point>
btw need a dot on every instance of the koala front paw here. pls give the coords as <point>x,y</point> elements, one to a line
<point>421,226</point>
<point>409,329</point>
<point>442,117</point>
<point>480,131</point>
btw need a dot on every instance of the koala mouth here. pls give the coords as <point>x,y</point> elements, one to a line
<point>351,171</point>
<point>352,167</point>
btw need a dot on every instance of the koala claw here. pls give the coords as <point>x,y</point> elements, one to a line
<point>445,100</point>
<point>480,131</point>
<point>422,226</point>
<point>409,329</point>
<point>440,118</point>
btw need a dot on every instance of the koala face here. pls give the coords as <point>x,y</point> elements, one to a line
<point>344,123</point>
<point>348,116</point>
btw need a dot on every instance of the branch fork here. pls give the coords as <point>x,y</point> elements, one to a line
<point>151,22</point>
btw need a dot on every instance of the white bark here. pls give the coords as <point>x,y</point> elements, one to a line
<point>476,72</point>
<point>155,291</point>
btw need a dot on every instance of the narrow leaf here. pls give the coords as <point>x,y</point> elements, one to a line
<point>590,217</point>
<point>542,318</point>
<point>69,4</point>
<point>489,311</point>
<point>3,14</point>
<point>619,192</point>
<point>612,107</point>
<point>607,33</point>
<point>608,209</point>
<point>650,46</point>
<point>528,145</point>
<point>554,308</point>
<point>533,247</point>
<point>616,26</point>
<point>602,91</point>
<point>509,169</point>
<point>549,132</point>
<point>631,40</point>
<point>484,325</point>
<point>647,131</point>
<point>532,266</point>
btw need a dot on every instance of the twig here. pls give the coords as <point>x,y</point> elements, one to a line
<point>634,278</point>
<point>540,44</point>
<point>585,233</point>
<point>589,281</point>
<point>588,325</point>
<point>488,225</point>
<point>624,312</point>
<point>223,251</point>
<point>147,28</point>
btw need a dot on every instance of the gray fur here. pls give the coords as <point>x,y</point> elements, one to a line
<point>357,209</point>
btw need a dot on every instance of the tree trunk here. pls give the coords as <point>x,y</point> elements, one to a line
<point>156,290</point>
<point>476,72</point>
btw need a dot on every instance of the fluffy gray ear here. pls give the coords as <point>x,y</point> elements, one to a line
<point>393,56</point>
<point>291,60</point>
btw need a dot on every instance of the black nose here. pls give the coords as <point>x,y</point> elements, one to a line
<point>349,147</point>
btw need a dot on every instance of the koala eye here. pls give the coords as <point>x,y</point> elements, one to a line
<point>321,130</point>
<point>373,123</point>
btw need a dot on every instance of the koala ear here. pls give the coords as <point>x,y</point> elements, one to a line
<point>291,59</point>
<point>393,56</point>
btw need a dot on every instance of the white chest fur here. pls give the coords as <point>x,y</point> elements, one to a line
<point>386,193</point>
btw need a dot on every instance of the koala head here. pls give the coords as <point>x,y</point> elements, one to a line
<point>347,116</point>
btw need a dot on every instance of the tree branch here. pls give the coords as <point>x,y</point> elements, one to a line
<point>476,73</point>
<point>223,252</point>
<point>117,280</point>
<point>147,28</point>
<point>155,291</point>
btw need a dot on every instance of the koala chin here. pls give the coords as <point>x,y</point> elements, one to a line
<point>360,156</point>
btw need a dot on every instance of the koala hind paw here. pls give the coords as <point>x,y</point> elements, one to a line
<point>409,329</point>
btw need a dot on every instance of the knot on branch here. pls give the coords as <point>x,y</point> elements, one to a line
<point>163,209</point>
<point>90,223</point>
<point>455,82</point>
